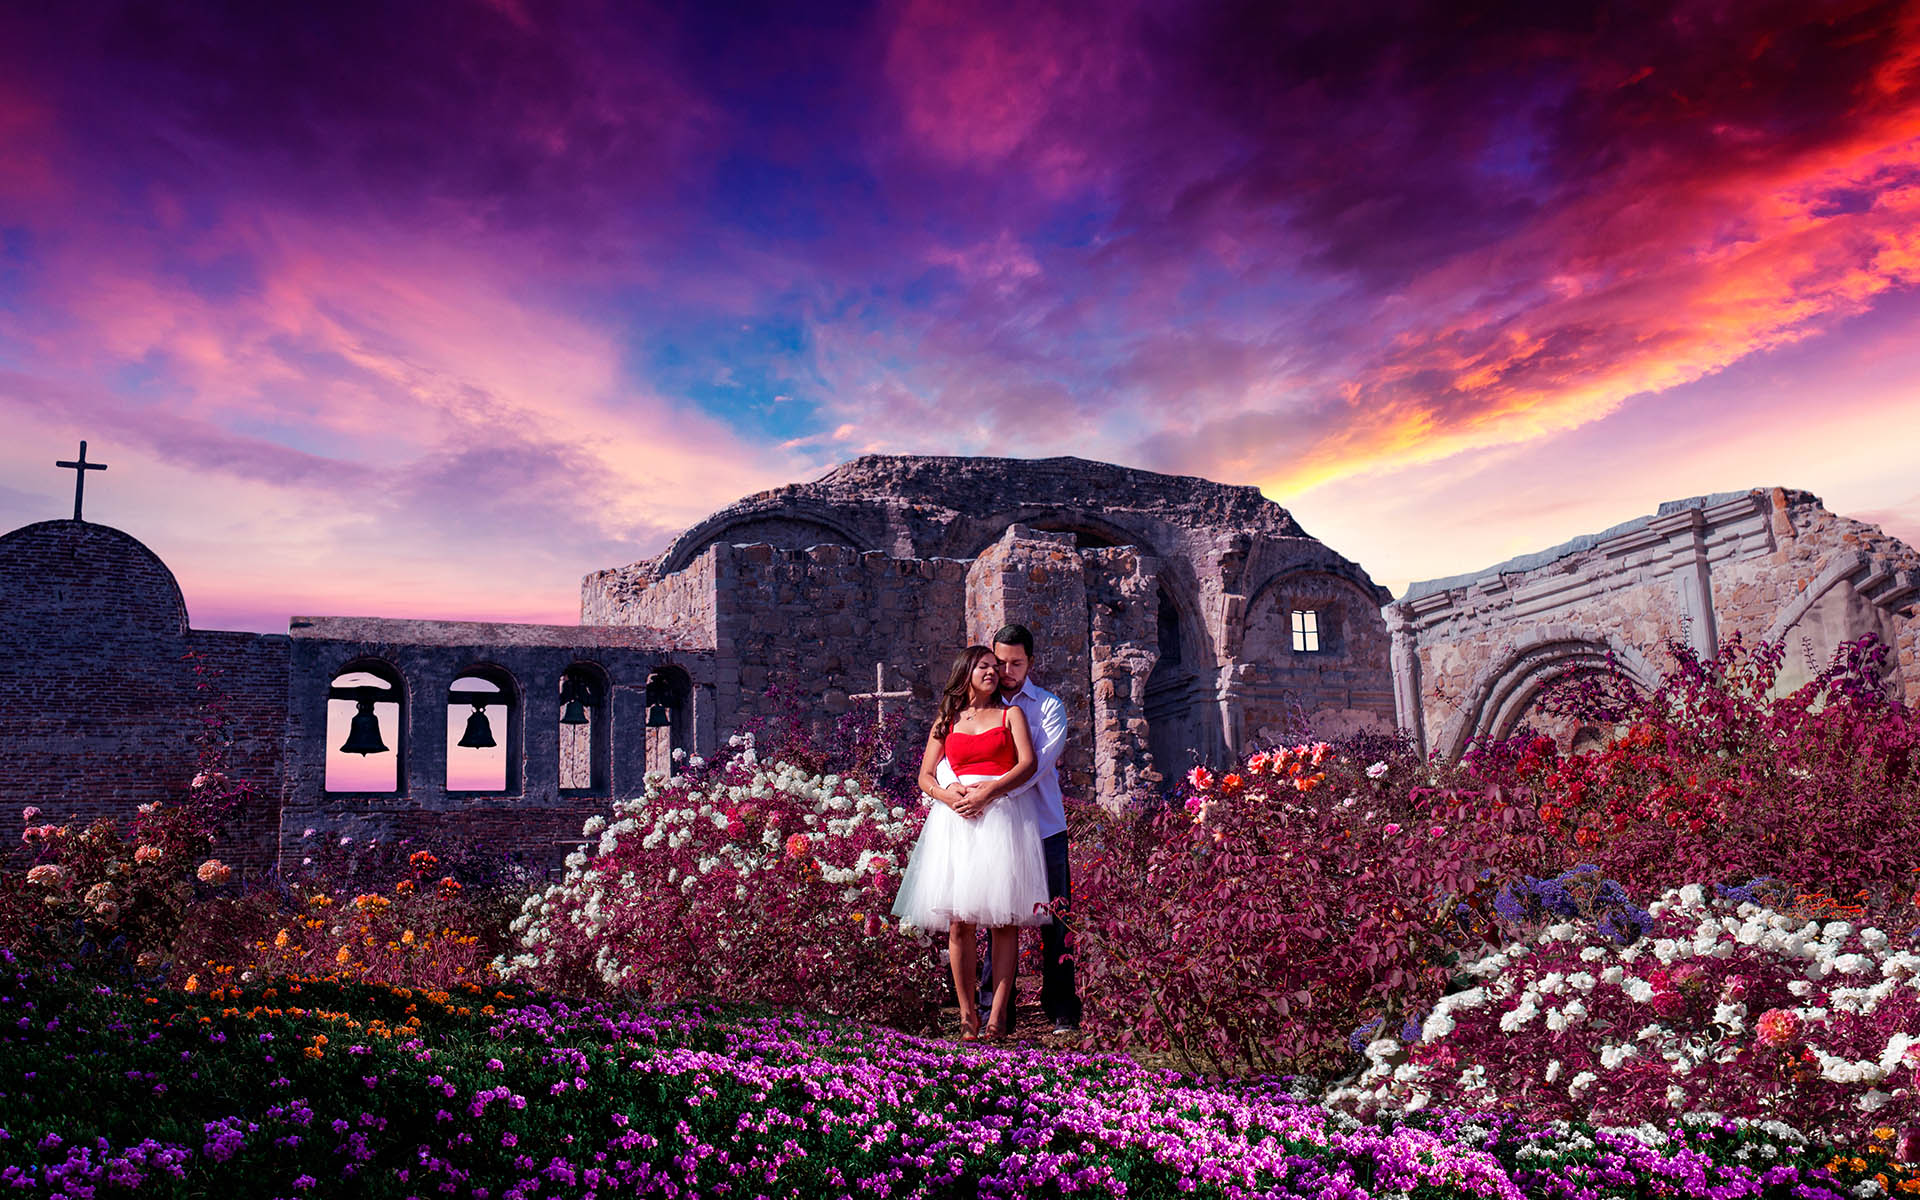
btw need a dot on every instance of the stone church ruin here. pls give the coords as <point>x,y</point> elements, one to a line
<point>1182,620</point>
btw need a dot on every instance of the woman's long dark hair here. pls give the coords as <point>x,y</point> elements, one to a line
<point>959,690</point>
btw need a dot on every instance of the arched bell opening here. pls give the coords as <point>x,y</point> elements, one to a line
<point>669,716</point>
<point>483,731</point>
<point>366,728</point>
<point>585,736</point>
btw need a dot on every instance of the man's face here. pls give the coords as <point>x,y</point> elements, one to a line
<point>1014,665</point>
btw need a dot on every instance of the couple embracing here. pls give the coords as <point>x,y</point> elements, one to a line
<point>994,848</point>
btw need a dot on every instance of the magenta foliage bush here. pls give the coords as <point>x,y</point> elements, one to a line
<point>1254,926</point>
<point>1726,1006</point>
<point>748,879</point>
<point>1713,780</point>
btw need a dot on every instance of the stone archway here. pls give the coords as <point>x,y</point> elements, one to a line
<point>791,526</point>
<point>1829,611</point>
<point>1501,695</point>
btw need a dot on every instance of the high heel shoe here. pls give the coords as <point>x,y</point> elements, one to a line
<point>970,1034</point>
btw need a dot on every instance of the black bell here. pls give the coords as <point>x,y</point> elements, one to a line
<point>657,716</point>
<point>363,736</point>
<point>479,734</point>
<point>574,713</point>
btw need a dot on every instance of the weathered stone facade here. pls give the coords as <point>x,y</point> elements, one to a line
<point>1160,603</point>
<point>1164,609</point>
<point>1471,653</point>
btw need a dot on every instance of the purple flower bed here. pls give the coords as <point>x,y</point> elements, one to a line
<point>269,1091</point>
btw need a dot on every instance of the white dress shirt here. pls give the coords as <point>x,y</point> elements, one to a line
<point>1047,727</point>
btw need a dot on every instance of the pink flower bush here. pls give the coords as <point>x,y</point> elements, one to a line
<point>1256,924</point>
<point>1724,1006</point>
<point>746,879</point>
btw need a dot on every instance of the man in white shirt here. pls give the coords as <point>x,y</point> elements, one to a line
<point>1047,720</point>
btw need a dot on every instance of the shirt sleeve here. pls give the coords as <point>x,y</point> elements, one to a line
<point>1049,734</point>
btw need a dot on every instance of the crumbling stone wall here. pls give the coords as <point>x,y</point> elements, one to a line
<point>816,622</point>
<point>1037,579</point>
<point>680,607</point>
<point>1471,653</point>
<point>1122,590</point>
<point>1211,548</point>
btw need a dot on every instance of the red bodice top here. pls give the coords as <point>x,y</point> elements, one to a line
<point>989,753</point>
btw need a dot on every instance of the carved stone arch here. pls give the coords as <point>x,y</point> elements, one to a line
<point>1501,692</point>
<point>1836,570</point>
<point>1829,617</point>
<point>688,545</point>
<point>1054,519</point>
<point>500,676</point>
<point>1340,637</point>
<point>1345,574</point>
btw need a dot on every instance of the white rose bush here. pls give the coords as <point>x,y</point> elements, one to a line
<point>763,881</point>
<point>1723,1003</point>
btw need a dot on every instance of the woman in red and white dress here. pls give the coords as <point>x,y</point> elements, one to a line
<point>979,860</point>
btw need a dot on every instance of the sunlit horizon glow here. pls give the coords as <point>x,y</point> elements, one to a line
<point>430,312</point>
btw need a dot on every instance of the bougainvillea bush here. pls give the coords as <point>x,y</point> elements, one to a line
<point>1255,925</point>
<point>1708,1001</point>
<point>1714,780</point>
<point>744,878</point>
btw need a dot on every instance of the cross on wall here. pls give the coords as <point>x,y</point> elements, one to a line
<point>80,469</point>
<point>880,695</point>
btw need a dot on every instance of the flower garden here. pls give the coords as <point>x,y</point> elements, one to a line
<point>1683,964</point>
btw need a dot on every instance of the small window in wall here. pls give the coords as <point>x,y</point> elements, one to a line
<point>1306,631</point>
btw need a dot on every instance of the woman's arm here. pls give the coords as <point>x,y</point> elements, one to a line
<point>929,777</point>
<point>1024,762</point>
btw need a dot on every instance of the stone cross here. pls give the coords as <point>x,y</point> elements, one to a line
<point>80,470</point>
<point>880,695</point>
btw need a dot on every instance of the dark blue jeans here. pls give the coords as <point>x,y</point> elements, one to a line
<point>1058,998</point>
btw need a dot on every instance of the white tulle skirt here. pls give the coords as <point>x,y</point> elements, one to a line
<point>989,870</point>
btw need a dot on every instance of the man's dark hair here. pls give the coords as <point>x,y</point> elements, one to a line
<point>1015,635</point>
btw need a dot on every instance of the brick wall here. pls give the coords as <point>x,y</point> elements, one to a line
<point>98,704</point>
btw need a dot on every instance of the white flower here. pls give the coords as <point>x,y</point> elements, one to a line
<point>1612,1056</point>
<point>1376,770</point>
<point>1580,1083</point>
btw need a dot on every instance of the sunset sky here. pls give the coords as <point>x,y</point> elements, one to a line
<point>430,309</point>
